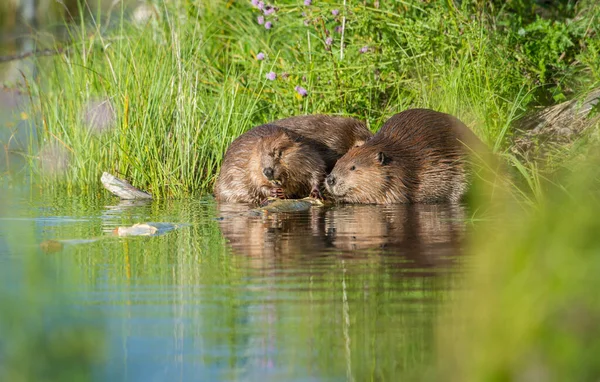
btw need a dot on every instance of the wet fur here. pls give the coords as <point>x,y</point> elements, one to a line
<point>300,167</point>
<point>418,156</point>
<point>337,134</point>
<point>298,163</point>
<point>311,144</point>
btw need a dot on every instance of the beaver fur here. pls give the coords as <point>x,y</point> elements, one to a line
<point>338,134</point>
<point>287,158</point>
<point>418,156</point>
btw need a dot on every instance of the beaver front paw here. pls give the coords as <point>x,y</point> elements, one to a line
<point>316,194</point>
<point>278,193</point>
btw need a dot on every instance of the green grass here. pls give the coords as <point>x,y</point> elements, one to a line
<point>528,308</point>
<point>183,86</point>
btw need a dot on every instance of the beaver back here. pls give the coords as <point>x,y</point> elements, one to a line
<point>336,134</point>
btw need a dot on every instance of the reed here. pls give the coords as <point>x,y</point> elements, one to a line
<point>180,85</point>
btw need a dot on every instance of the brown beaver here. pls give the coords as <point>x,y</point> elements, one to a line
<point>290,161</point>
<point>418,156</point>
<point>338,134</point>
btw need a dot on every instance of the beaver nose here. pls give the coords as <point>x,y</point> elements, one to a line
<point>268,172</point>
<point>330,180</point>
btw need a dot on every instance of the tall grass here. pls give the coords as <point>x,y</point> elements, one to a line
<point>187,82</point>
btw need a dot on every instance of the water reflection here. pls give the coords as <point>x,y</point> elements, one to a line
<point>360,284</point>
<point>420,235</point>
<point>274,236</point>
<point>340,293</point>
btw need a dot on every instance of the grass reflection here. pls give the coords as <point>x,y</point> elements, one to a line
<point>193,302</point>
<point>44,337</point>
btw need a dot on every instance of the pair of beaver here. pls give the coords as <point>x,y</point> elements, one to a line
<point>418,156</point>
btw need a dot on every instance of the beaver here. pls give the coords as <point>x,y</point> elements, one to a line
<point>338,134</point>
<point>418,156</point>
<point>286,161</point>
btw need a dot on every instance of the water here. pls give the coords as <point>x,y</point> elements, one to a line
<point>347,293</point>
<point>332,294</point>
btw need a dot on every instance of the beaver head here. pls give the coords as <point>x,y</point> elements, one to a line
<point>366,174</point>
<point>286,160</point>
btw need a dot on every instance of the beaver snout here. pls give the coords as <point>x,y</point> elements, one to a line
<point>330,180</point>
<point>268,171</point>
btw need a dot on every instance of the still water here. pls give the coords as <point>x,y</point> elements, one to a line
<point>342,293</point>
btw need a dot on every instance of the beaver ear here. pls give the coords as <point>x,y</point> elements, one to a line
<point>359,143</point>
<point>382,158</point>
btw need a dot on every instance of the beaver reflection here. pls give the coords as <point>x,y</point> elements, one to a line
<point>421,235</point>
<point>275,236</point>
<point>426,234</point>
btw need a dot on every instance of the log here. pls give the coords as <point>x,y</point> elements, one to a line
<point>122,188</point>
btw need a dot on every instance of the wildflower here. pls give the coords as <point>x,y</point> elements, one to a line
<point>335,12</point>
<point>271,76</point>
<point>261,5</point>
<point>306,22</point>
<point>268,25</point>
<point>300,90</point>
<point>254,3</point>
<point>261,20</point>
<point>269,10</point>
<point>307,2</point>
<point>338,29</point>
<point>260,56</point>
<point>364,49</point>
<point>328,41</point>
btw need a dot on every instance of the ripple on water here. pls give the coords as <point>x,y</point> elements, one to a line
<point>333,293</point>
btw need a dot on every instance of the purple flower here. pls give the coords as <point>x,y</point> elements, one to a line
<point>260,56</point>
<point>268,25</point>
<point>254,3</point>
<point>261,20</point>
<point>364,49</point>
<point>271,76</point>
<point>300,90</point>
<point>307,2</point>
<point>335,12</point>
<point>261,5</point>
<point>269,10</point>
<point>338,29</point>
<point>328,41</point>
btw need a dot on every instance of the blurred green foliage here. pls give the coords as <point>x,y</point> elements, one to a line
<point>529,310</point>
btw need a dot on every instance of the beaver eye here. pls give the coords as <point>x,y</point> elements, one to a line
<point>352,168</point>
